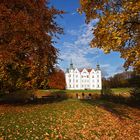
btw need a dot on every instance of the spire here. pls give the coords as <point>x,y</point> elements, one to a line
<point>71,64</point>
<point>67,70</point>
<point>98,67</point>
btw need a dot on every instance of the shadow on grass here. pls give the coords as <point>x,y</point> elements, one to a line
<point>25,99</point>
<point>115,109</point>
<point>132,100</point>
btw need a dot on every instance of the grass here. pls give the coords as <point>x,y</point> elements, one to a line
<point>124,92</point>
<point>41,92</point>
<point>75,91</point>
<point>115,90</point>
<point>121,89</point>
<point>70,120</point>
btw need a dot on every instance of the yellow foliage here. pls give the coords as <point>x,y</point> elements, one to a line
<point>118,28</point>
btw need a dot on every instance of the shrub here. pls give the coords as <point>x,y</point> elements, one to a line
<point>135,95</point>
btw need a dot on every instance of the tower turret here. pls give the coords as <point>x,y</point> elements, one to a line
<point>98,67</point>
<point>71,65</point>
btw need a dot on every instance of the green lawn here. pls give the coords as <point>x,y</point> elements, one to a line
<point>75,91</point>
<point>72,93</point>
<point>70,120</point>
<point>121,89</point>
<point>115,90</point>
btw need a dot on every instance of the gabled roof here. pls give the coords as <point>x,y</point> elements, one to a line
<point>76,69</point>
<point>80,70</point>
<point>89,70</point>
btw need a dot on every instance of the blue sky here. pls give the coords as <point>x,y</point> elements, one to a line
<point>74,44</point>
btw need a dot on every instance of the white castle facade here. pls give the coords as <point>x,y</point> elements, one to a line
<point>83,79</point>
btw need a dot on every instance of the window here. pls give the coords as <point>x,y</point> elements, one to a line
<point>70,80</point>
<point>92,76</point>
<point>87,76</point>
<point>69,75</point>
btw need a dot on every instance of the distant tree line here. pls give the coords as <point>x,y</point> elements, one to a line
<point>122,80</point>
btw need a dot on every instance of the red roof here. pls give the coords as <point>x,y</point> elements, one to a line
<point>80,70</point>
<point>89,70</point>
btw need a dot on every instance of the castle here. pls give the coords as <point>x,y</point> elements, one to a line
<point>77,79</point>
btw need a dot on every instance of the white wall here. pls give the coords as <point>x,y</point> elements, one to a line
<point>83,80</point>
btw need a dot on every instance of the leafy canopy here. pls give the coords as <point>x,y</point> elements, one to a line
<point>56,80</point>
<point>27,54</point>
<point>118,28</point>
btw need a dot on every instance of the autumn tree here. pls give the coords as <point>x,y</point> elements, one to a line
<point>118,28</point>
<point>56,80</point>
<point>27,53</point>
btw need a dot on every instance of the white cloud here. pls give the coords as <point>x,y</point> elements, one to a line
<point>79,49</point>
<point>119,69</point>
<point>105,68</point>
<point>75,45</point>
<point>80,52</point>
<point>108,70</point>
<point>73,32</point>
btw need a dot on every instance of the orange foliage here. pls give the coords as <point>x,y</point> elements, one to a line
<point>26,42</point>
<point>57,80</point>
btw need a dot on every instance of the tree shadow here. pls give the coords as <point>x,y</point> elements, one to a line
<point>133,100</point>
<point>54,97</point>
<point>115,109</point>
